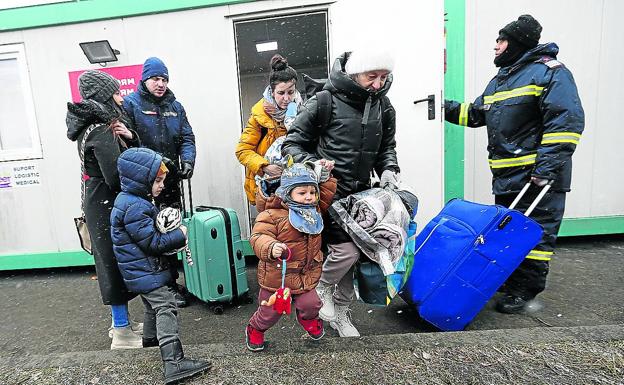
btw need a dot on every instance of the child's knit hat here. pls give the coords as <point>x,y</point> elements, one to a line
<point>303,217</point>
<point>293,176</point>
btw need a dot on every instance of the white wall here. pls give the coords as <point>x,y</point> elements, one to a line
<point>590,41</point>
<point>198,48</point>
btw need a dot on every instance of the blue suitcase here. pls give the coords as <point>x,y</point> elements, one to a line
<point>464,255</point>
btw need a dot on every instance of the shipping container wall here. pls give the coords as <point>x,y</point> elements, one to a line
<point>202,66</point>
<point>37,218</point>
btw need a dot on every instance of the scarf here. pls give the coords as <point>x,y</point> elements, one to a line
<point>303,217</point>
<point>271,108</point>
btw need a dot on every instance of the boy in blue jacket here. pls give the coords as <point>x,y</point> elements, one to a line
<point>139,248</point>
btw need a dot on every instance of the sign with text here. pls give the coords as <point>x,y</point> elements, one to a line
<point>20,175</point>
<point>128,76</point>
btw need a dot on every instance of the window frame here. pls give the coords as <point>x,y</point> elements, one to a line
<point>16,51</point>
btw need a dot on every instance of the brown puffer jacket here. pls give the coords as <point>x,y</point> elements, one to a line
<point>303,270</point>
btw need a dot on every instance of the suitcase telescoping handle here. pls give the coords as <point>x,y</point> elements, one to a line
<point>537,199</point>
<point>190,194</point>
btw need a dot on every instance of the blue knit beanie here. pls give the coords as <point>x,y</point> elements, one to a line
<point>153,66</point>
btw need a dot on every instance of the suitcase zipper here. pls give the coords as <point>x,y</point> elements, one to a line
<point>479,239</point>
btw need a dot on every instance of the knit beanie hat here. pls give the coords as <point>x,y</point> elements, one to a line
<point>293,176</point>
<point>526,30</point>
<point>304,217</point>
<point>153,66</point>
<point>97,85</point>
<point>366,59</point>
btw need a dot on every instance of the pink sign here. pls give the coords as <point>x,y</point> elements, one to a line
<point>128,76</point>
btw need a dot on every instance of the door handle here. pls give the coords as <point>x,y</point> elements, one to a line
<point>430,105</point>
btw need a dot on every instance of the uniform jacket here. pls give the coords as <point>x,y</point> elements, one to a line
<point>252,145</point>
<point>303,270</point>
<point>534,120</point>
<point>162,124</point>
<point>138,245</point>
<point>101,151</point>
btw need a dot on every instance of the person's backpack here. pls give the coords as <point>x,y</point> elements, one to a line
<point>323,97</point>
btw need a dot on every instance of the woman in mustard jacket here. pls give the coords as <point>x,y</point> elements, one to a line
<point>266,124</point>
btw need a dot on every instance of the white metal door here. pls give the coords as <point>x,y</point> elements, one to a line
<point>416,40</point>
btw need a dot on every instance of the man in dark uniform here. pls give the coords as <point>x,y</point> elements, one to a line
<point>534,120</point>
<point>162,125</point>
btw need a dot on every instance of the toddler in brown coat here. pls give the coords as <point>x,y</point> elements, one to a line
<point>291,224</point>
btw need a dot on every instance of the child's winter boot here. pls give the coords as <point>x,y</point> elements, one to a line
<point>176,366</point>
<point>314,327</point>
<point>254,339</point>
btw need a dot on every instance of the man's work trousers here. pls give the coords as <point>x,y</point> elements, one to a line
<point>529,279</point>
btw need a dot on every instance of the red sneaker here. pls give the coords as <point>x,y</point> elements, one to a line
<point>254,339</point>
<point>314,327</point>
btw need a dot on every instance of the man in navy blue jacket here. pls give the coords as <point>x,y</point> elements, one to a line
<point>534,120</point>
<point>162,125</point>
<point>160,121</point>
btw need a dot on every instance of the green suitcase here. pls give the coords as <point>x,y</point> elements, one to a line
<point>215,272</point>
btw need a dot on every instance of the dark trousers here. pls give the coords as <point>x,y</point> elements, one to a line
<point>161,316</point>
<point>529,279</point>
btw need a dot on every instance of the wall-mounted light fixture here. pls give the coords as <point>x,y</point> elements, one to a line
<point>266,46</point>
<point>99,52</point>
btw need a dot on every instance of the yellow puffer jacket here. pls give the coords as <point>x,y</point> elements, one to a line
<point>250,150</point>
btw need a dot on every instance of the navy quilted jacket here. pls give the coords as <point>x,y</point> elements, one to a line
<point>534,119</point>
<point>137,243</point>
<point>161,124</point>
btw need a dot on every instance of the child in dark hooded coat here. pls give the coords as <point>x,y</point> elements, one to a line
<point>140,247</point>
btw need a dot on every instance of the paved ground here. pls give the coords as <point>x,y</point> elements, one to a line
<point>54,330</point>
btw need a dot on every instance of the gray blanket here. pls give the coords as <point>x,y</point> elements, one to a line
<point>376,220</point>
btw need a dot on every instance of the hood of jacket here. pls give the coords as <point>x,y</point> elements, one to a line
<point>138,168</point>
<point>83,114</point>
<point>347,89</point>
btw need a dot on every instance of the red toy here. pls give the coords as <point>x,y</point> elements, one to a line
<point>281,299</point>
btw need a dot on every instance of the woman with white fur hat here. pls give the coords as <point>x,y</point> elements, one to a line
<point>359,137</point>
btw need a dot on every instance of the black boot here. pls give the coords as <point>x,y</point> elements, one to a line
<point>176,366</point>
<point>150,342</point>
<point>511,304</point>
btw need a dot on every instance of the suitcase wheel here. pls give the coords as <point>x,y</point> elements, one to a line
<point>218,309</point>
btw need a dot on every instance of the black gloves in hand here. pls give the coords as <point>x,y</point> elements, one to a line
<point>186,170</point>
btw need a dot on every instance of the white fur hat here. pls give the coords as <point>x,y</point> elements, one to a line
<point>364,60</point>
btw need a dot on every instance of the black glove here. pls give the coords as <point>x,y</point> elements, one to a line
<point>186,171</point>
<point>173,170</point>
